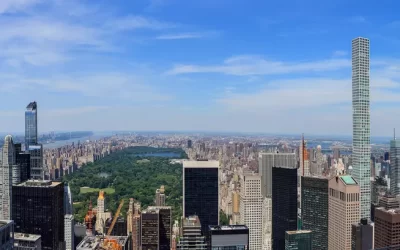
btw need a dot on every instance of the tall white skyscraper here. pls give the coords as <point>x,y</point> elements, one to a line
<point>395,166</point>
<point>251,208</point>
<point>361,122</point>
<point>8,162</point>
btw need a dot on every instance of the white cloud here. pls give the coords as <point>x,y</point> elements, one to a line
<point>190,35</point>
<point>340,53</point>
<point>255,65</point>
<point>10,6</point>
<point>138,22</point>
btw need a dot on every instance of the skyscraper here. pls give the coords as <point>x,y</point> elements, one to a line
<point>150,227</point>
<point>31,128</point>
<point>299,240</point>
<point>36,164</point>
<point>191,235</point>
<point>344,210</point>
<point>160,196</point>
<point>361,122</point>
<point>38,208</point>
<point>315,209</point>
<point>6,178</point>
<point>284,203</point>
<point>251,208</point>
<point>6,234</point>
<point>165,226</point>
<point>395,167</point>
<point>362,235</point>
<point>201,191</point>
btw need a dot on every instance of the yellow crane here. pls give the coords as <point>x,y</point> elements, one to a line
<point>112,244</point>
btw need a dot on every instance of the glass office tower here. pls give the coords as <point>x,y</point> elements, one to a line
<point>31,128</point>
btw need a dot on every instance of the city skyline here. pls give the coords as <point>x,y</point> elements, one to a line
<point>193,70</point>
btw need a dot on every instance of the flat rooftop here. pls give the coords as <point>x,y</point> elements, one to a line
<point>26,237</point>
<point>191,221</point>
<point>348,180</point>
<point>228,227</point>
<point>201,164</point>
<point>96,242</point>
<point>5,223</point>
<point>298,232</point>
<point>39,183</point>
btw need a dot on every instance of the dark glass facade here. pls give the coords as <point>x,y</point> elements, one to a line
<point>284,204</point>
<point>119,227</point>
<point>314,209</point>
<point>23,160</point>
<point>165,226</point>
<point>36,163</point>
<point>38,208</point>
<point>201,195</point>
<point>31,129</point>
<point>150,224</point>
<point>298,240</point>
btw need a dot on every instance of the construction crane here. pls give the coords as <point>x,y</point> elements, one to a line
<point>115,218</point>
<point>108,243</point>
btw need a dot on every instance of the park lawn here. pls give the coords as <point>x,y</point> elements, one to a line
<point>84,190</point>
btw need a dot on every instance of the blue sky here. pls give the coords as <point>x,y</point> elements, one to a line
<point>259,66</point>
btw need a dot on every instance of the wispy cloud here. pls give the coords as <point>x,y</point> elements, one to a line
<point>255,65</point>
<point>10,6</point>
<point>139,22</point>
<point>189,35</point>
<point>340,53</point>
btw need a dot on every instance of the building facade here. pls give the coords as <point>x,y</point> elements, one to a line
<point>315,209</point>
<point>36,164</point>
<point>6,235</point>
<point>27,241</point>
<point>69,235</point>
<point>298,240</point>
<point>361,153</point>
<point>150,229</point>
<point>38,208</point>
<point>165,226</point>
<point>267,224</point>
<point>6,178</point>
<point>160,196</point>
<point>232,237</point>
<point>191,237</point>
<point>251,208</point>
<point>284,203</point>
<point>201,191</point>
<point>344,210</point>
<point>395,167</point>
<point>23,160</point>
<point>387,228</point>
<point>31,128</point>
<point>362,235</point>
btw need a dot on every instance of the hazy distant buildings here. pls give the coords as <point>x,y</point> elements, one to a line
<point>362,235</point>
<point>233,237</point>
<point>361,122</point>
<point>284,203</point>
<point>395,167</point>
<point>6,178</point>
<point>38,208</point>
<point>344,210</point>
<point>251,208</point>
<point>315,209</point>
<point>201,191</point>
<point>298,240</point>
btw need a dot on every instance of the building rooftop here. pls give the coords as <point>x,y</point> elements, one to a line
<point>390,211</point>
<point>201,164</point>
<point>5,223</point>
<point>229,227</point>
<point>26,237</point>
<point>32,106</point>
<point>348,180</point>
<point>39,183</point>
<point>191,221</point>
<point>96,242</point>
<point>298,232</point>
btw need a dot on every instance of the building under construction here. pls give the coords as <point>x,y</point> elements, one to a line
<point>105,243</point>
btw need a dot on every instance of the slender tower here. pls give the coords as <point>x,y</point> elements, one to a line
<point>361,122</point>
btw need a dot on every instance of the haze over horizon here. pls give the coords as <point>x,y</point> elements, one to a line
<point>158,65</point>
